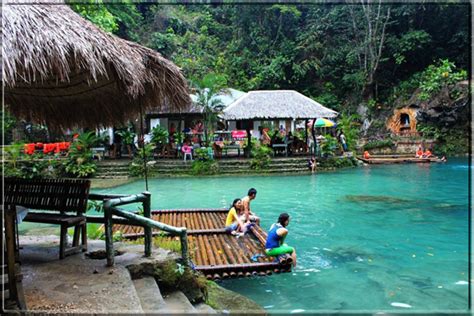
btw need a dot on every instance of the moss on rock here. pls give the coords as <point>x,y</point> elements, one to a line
<point>221,299</point>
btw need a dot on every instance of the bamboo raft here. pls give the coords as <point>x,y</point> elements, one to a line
<point>214,252</point>
<point>394,160</point>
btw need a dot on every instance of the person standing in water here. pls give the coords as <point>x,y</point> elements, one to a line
<point>275,245</point>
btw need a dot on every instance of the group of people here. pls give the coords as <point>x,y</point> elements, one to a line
<point>423,154</point>
<point>240,218</point>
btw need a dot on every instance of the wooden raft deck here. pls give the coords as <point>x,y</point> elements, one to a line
<point>212,251</point>
<point>390,160</point>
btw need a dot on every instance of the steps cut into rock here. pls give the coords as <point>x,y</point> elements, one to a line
<point>177,302</point>
<point>153,302</point>
<point>149,294</point>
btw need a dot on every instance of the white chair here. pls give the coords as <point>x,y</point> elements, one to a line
<point>190,155</point>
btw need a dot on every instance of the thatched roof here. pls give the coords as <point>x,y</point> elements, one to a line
<point>60,69</point>
<point>276,104</point>
<point>227,97</point>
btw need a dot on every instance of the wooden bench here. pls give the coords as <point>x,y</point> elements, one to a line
<point>283,146</point>
<point>54,201</point>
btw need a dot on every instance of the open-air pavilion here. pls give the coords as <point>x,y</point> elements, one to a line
<point>284,106</point>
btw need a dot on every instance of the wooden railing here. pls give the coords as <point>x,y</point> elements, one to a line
<point>113,214</point>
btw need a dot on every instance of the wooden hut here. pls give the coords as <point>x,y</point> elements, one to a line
<point>62,70</point>
<point>275,107</point>
<point>283,106</point>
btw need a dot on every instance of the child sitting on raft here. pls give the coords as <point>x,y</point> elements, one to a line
<point>275,245</point>
<point>233,224</point>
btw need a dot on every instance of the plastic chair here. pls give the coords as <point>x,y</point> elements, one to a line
<point>210,153</point>
<point>187,151</point>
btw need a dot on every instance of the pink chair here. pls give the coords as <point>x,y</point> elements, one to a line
<point>187,151</point>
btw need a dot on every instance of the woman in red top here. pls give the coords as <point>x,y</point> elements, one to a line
<point>419,153</point>
<point>427,154</point>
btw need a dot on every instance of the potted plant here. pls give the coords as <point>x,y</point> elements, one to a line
<point>127,139</point>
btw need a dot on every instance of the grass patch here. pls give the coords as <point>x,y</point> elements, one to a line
<point>164,242</point>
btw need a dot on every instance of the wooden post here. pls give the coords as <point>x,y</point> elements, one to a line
<point>249,139</point>
<point>184,247</point>
<point>109,246</point>
<point>63,241</point>
<point>147,229</point>
<point>306,131</point>
<point>314,136</point>
<point>10,214</point>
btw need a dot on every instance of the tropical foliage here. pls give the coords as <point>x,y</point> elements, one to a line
<point>207,90</point>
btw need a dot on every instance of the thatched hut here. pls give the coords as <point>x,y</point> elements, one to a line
<point>60,69</point>
<point>283,107</point>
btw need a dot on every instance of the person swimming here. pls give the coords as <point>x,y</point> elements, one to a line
<point>275,245</point>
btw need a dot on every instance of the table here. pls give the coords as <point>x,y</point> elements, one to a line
<point>284,146</point>
<point>227,147</point>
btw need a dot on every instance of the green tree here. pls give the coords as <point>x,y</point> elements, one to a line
<point>207,90</point>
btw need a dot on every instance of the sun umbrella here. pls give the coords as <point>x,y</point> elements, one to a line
<point>322,122</point>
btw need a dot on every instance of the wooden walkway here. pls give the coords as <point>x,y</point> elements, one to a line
<point>212,251</point>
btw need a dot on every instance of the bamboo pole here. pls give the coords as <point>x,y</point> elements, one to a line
<point>215,250</point>
<point>197,254</point>
<point>239,250</point>
<point>209,222</point>
<point>204,252</point>
<point>192,221</point>
<point>227,251</point>
<point>147,213</point>
<point>200,220</point>
<point>217,221</point>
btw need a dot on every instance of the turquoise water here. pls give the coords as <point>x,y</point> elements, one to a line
<point>370,238</point>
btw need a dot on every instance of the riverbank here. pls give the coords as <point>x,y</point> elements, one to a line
<point>170,168</point>
<point>82,283</point>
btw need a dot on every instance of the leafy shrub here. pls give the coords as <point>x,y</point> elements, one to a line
<point>137,168</point>
<point>202,154</point>
<point>328,147</point>
<point>80,167</point>
<point>337,162</point>
<point>80,162</point>
<point>437,76</point>
<point>204,167</point>
<point>349,124</point>
<point>378,144</point>
<point>159,135</point>
<point>261,157</point>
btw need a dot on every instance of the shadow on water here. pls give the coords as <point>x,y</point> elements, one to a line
<point>330,258</point>
<point>375,199</point>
